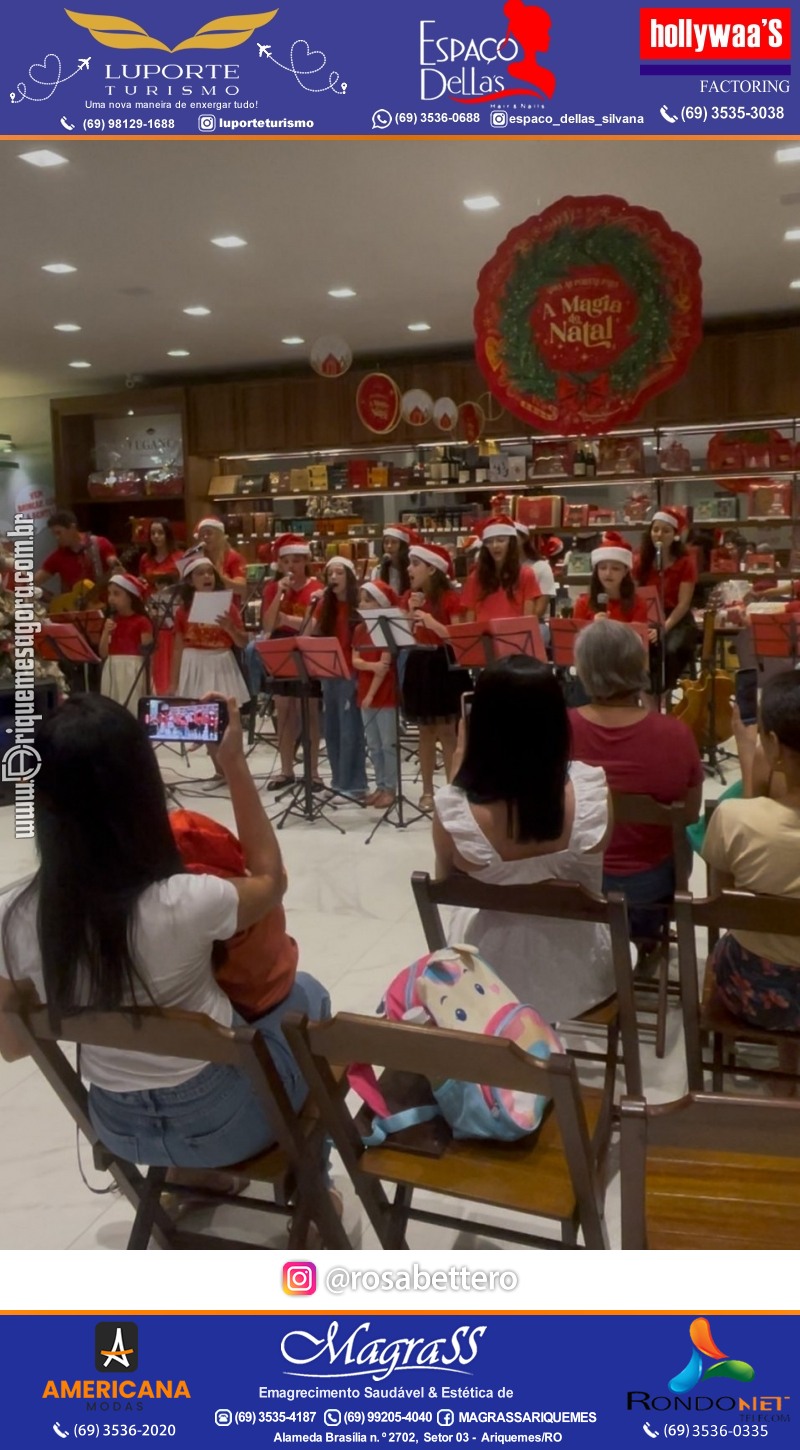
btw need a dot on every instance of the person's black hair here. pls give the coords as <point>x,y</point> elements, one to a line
<point>327,615</point>
<point>435,587</point>
<point>647,553</point>
<point>169,537</point>
<point>399,562</point>
<point>62,519</point>
<point>528,548</point>
<point>518,747</point>
<point>103,837</point>
<point>491,579</point>
<point>779,710</point>
<point>627,592</point>
<point>187,590</point>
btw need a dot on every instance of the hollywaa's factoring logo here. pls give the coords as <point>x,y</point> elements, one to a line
<point>118,33</point>
<point>527,36</point>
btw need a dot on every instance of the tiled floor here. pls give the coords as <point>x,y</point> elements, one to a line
<point>350,907</point>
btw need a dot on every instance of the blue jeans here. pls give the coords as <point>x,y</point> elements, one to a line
<point>254,672</point>
<point>643,890</point>
<point>380,728</point>
<point>213,1119</point>
<point>344,737</point>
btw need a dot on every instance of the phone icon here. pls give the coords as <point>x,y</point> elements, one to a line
<point>66,125</point>
<point>652,1433</point>
<point>63,1433</point>
<point>667,117</point>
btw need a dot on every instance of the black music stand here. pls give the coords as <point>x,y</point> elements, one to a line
<point>306,660</point>
<point>389,628</point>
<point>477,645</point>
<point>68,645</point>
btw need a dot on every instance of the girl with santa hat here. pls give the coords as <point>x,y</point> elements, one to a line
<point>286,607</point>
<point>432,690</point>
<point>665,563</point>
<point>127,632</point>
<point>612,592</point>
<point>336,615</point>
<point>377,697</point>
<point>204,662</point>
<point>393,568</point>
<point>499,587</point>
<point>532,557</point>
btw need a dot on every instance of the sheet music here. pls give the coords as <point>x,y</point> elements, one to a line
<point>402,628</point>
<point>207,606</point>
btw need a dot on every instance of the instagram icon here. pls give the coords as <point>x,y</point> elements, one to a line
<point>299,1279</point>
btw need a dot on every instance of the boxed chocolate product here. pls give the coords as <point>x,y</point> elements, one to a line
<point>575,515</point>
<point>541,512</point>
<point>769,499</point>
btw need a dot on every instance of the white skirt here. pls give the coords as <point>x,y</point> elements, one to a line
<point>124,679</point>
<point>207,671</point>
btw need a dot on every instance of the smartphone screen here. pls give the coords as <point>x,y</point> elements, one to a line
<point>747,696</point>
<point>184,720</point>
<point>466,704</point>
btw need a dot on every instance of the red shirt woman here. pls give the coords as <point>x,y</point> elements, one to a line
<point>663,562</point>
<point>499,587</point>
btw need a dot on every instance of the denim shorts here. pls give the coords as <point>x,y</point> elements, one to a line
<point>213,1119</point>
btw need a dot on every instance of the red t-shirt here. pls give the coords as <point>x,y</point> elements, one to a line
<point>126,636</point>
<point>342,627</point>
<point>449,606</point>
<point>73,565</point>
<point>385,696</point>
<point>295,603</point>
<point>680,571</point>
<point>657,757</point>
<point>233,565</point>
<point>204,636</point>
<point>615,609</point>
<point>499,605</point>
<point>148,566</point>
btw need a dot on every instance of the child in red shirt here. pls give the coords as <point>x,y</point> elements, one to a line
<point>203,662</point>
<point>336,615</point>
<point>499,587</point>
<point>612,592</point>
<point>127,633</point>
<point>377,697</point>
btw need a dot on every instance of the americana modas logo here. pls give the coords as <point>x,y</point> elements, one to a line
<point>121,34</point>
<point>704,1349</point>
<point>116,1346</point>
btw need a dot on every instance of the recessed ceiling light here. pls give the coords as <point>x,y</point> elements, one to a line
<point>788,153</point>
<point>293,341</point>
<point>178,352</point>
<point>341,292</point>
<point>80,365</point>
<point>66,327</point>
<point>197,311</point>
<point>59,267</point>
<point>43,158</point>
<point>419,327</point>
<point>795,284</point>
<point>793,235</point>
<point>228,242</point>
<point>130,412</point>
<point>481,203</point>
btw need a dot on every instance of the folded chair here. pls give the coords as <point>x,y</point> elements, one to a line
<point>294,1166</point>
<point>710,1172</point>
<point>559,901</point>
<point>550,1174</point>
<point>706,1015</point>
<point>644,810</point>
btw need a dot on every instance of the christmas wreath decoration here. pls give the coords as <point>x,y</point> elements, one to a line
<point>585,312</point>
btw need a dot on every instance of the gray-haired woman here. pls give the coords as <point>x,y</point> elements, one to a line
<point>642,753</point>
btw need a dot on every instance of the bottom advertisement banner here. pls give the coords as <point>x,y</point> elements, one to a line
<point>384,1379</point>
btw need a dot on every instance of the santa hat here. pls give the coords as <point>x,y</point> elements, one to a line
<point>434,555</point>
<point>209,523</point>
<point>551,547</point>
<point>340,559</point>
<point>471,543</point>
<point>402,532</point>
<point>522,529</point>
<point>674,517</point>
<point>383,594</point>
<point>500,526</point>
<point>190,562</point>
<point>613,550</point>
<point>289,544</point>
<point>130,584</point>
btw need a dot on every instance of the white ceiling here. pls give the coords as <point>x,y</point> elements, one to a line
<point>385,216</point>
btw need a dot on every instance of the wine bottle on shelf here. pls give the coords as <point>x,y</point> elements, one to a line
<point>591,461</point>
<point>579,461</point>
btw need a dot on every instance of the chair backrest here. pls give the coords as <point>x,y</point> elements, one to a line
<point>435,1054</point>
<point>727,911</point>
<point>645,810</point>
<point>553,900</point>
<point>700,1121</point>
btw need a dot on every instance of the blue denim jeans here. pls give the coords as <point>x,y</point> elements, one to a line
<point>213,1119</point>
<point>380,728</point>
<point>643,890</point>
<point>254,672</point>
<point>344,737</point>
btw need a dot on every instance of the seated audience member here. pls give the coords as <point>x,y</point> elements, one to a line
<point>642,753</point>
<point>112,920</point>
<point>753,844</point>
<point>518,812</point>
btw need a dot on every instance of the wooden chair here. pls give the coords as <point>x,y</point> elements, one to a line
<point>294,1166</point>
<point>710,1172</point>
<point>644,810</point>
<point>550,1174</point>
<point>560,901</point>
<point>706,1015</point>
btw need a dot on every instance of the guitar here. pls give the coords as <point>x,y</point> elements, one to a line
<point>80,596</point>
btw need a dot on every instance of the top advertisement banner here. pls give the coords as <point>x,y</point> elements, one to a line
<point>426,68</point>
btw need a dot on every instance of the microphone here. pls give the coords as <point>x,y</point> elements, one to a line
<point>602,601</point>
<point>660,558</point>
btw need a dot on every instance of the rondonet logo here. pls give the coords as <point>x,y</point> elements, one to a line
<point>118,33</point>
<point>359,1354</point>
<point>721,33</point>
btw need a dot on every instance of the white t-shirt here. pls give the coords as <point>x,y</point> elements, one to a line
<point>176,924</point>
<point>545,577</point>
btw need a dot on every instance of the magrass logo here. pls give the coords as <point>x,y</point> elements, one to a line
<point>703,1348</point>
<point>118,33</point>
<point>116,1346</point>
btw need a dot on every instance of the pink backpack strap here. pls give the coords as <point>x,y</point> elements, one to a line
<point>362,1079</point>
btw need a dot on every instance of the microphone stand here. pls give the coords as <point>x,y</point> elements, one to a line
<point>662,661</point>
